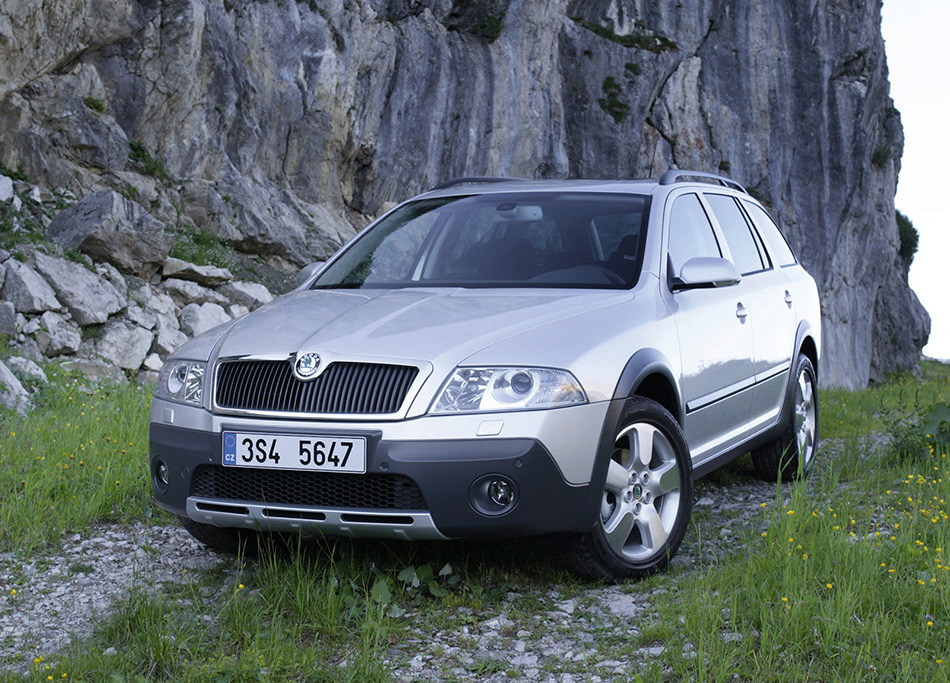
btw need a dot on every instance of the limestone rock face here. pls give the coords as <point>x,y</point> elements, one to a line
<point>109,227</point>
<point>281,128</point>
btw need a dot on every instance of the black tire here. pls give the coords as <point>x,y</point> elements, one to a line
<point>224,539</point>
<point>792,455</point>
<point>643,518</point>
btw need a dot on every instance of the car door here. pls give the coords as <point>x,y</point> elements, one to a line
<point>715,339</point>
<point>765,290</point>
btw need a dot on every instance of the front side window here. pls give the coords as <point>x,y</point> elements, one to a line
<point>547,239</point>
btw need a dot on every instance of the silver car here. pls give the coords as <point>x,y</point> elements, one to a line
<point>505,358</point>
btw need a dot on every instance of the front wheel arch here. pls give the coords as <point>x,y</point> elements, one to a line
<point>639,522</point>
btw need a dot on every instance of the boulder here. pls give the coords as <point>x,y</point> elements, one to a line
<point>153,363</point>
<point>248,294</point>
<point>167,337</point>
<point>108,227</point>
<point>156,302</point>
<point>124,345</point>
<point>6,189</point>
<point>89,298</point>
<point>111,273</point>
<point>56,335</point>
<point>8,320</point>
<point>237,311</point>
<point>94,370</point>
<point>209,276</point>
<point>141,317</point>
<point>185,292</point>
<point>26,369</point>
<point>13,394</point>
<point>27,290</point>
<point>198,318</point>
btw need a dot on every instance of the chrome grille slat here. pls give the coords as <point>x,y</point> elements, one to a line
<point>344,388</point>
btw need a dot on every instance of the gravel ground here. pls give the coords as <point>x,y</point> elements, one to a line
<point>47,600</point>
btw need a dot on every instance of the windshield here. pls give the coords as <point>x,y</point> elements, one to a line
<point>533,239</point>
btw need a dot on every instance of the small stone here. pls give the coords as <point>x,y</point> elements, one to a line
<point>704,501</point>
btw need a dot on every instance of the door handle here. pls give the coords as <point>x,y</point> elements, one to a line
<point>741,312</point>
<point>788,299</point>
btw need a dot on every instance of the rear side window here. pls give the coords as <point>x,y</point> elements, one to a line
<point>739,237</point>
<point>691,233</point>
<point>778,247</point>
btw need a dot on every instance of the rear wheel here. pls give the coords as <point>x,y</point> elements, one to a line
<point>792,455</point>
<point>647,499</point>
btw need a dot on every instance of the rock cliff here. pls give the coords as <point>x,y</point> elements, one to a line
<point>281,126</point>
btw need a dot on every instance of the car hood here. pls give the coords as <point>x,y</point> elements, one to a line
<point>422,325</point>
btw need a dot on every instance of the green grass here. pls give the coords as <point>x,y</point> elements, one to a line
<point>77,458</point>
<point>849,581</point>
<point>842,577</point>
<point>203,249</point>
<point>297,616</point>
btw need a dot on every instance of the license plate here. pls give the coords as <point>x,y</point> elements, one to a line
<point>294,452</point>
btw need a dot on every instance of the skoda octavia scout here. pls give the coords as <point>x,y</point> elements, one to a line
<point>505,358</point>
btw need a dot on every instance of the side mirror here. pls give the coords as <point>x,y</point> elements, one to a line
<point>705,272</point>
<point>308,271</point>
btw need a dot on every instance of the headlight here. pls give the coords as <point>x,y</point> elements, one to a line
<point>494,389</point>
<point>181,380</point>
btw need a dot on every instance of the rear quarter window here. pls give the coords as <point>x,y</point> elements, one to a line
<point>781,253</point>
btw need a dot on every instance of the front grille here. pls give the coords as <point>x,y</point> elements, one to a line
<point>318,489</point>
<point>343,388</point>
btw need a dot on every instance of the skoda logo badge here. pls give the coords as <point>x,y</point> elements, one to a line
<point>306,366</point>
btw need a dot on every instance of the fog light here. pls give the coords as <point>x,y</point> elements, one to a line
<point>160,478</point>
<point>493,495</point>
<point>500,492</point>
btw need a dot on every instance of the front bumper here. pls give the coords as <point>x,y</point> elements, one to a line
<point>412,489</point>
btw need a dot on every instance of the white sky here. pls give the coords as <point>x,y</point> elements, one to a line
<point>915,33</point>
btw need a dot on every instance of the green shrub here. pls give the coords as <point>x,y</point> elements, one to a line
<point>612,104</point>
<point>651,42</point>
<point>881,156</point>
<point>94,103</point>
<point>139,155</point>
<point>909,236</point>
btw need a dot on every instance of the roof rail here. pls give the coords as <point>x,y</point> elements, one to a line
<point>471,181</point>
<point>674,174</point>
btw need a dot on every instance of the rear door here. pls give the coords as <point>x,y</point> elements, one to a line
<point>715,339</point>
